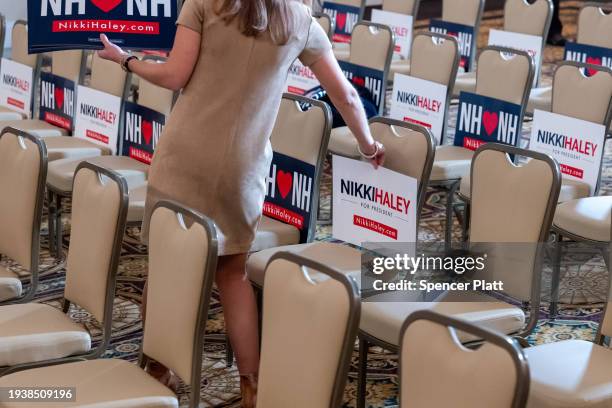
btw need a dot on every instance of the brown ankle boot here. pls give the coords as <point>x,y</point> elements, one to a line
<point>248,390</point>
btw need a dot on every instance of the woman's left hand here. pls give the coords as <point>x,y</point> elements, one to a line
<point>111,51</point>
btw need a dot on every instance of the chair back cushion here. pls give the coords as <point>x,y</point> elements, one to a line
<point>155,97</point>
<point>325,22</point>
<point>354,3</point>
<point>67,64</point>
<point>409,7</point>
<point>466,12</point>
<point>506,76</point>
<point>434,58</point>
<point>595,25</point>
<point>371,46</point>
<point>522,17</point>
<point>107,76</point>
<point>19,49</point>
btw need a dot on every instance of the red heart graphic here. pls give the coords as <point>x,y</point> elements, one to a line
<point>106,5</point>
<point>59,97</point>
<point>284,181</point>
<point>359,81</point>
<point>341,21</point>
<point>593,61</point>
<point>490,120</point>
<point>147,131</point>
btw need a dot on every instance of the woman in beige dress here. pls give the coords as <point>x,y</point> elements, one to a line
<point>231,58</point>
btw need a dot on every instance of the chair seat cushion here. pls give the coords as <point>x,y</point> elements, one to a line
<point>343,258</point>
<point>382,315</point>
<point>587,217</point>
<point>272,233</point>
<point>451,163</point>
<point>571,373</point>
<point>10,285</point>
<point>342,142</point>
<point>72,148</point>
<point>36,127</point>
<point>8,114</point>
<point>31,332</point>
<point>61,172</point>
<point>465,82</point>
<point>137,199</point>
<point>108,383</point>
<point>541,99</point>
<point>399,66</point>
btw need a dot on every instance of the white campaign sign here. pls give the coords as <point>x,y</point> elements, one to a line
<point>97,117</point>
<point>401,25</point>
<point>419,101</point>
<point>300,79</point>
<point>372,205</point>
<point>576,144</point>
<point>16,86</point>
<point>532,44</point>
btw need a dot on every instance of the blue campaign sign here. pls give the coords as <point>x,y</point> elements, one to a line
<point>76,24</point>
<point>289,196</point>
<point>142,130</point>
<point>588,54</point>
<point>57,100</point>
<point>371,79</point>
<point>345,17</point>
<point>464,35</point>
<point>482,119</point>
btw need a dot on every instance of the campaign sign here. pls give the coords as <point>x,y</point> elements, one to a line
<point>16,86</point>
<point>371,79</point>
<point>76,24</point>
<point>588,54</point>
<point>142,130</point>
<point>57,100</point>
<point>464,35</point>
<point>289,197</point>
<point>301,80</point>
<point>419,101</point>
<point>482,119</point>
<point>576,144</point>
<point>401,25</point>
<point>345,17</point>
<point>97,117</point>
<point>531,44</point>
<point>372,205</point>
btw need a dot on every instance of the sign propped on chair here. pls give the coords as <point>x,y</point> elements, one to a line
<point>142,130</point>
<point>371,79</point>
<point>576,144</point>
<point>57,99</point>
<point>345,18</point>
<point>372,205</point>
<point>289,196</point>
<point>97,117</point>
<point>401,25</point>
<point>482,119</point>
<point>302,81</point>
<point>531,44</point>
<point>464,35</point>
<point>16,86</point>
<point>588,54</point>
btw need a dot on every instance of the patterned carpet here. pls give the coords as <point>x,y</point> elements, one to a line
<point>581,289</point>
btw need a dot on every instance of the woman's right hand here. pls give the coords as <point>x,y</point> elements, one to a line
<point>375,153</point>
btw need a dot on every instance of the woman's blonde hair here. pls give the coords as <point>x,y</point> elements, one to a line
<point>258,16</point>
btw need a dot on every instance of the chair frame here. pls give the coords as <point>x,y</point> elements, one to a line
<point>353,320</point>
<point>38,210</point>
<point>205,295</point>
<point>508,344</point>
<point>98,351</point>
<point>332,24</point>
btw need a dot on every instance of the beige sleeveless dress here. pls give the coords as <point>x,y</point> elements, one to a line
<point>214,153</point>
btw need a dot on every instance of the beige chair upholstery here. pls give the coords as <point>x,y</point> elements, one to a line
<point>434,58</point>
<point>431,359</point>
<point>588,218</point>
<point>541,99</point>
<point>107,76</point>
<point>595,25</point>
<point>409,7</point>
<point>155,97</point>
<point>23,166</point>
<point>36,127</point>
<point>325,22</point>
<point>312,373</point>
<point>7,114</point>
<point>71,148</point>
<point>466,12</point>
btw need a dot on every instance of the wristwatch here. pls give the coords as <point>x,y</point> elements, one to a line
<point>125,62</point>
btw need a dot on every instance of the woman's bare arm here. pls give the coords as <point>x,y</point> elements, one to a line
<point>347,101</point>
<point>172,74</point>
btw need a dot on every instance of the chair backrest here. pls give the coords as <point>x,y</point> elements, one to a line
<point>99,210</point>
<point>432,359</point>
<point>584,97</point>
<point>466,12</point>
<point>182,265</point>
<point>409,7</point>
<point>595,25</point>
<point>19,48</point>
<point>409,150</point>
<point>505,74</point>
<point>354,3</point>
<point>325,22</point>
<point>69,64</point>
<point>23,173</point>
<point>372,46</point>
<point>109,77</point>
<point>155,97</point>
<point>520,16</point>
<point>312,373</point>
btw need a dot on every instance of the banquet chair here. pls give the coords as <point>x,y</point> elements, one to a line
<point>341,49</point>
<point>466,12</point>
<point>23,169</point>
<point>502,73</point>
<point>175,250</point>
<point>19,53</point>
<point>326,23</point>
<point>35,333</point>
<point>594,28</point>
<point>66,64</point>
<point>308,334</point>
<point>431,358</point>
<point>520,16</point>
<point>512,209</point>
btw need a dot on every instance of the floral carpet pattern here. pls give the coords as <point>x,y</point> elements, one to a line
<point>582,291</point>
